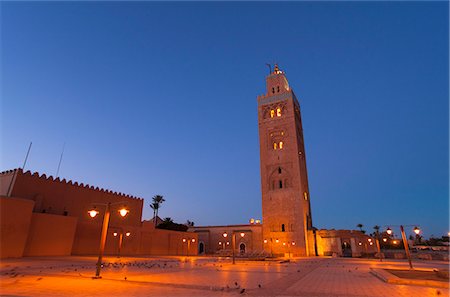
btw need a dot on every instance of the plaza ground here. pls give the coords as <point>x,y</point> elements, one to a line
<point>206,276</point>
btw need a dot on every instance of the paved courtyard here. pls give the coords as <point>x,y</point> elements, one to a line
<point>205,276</point>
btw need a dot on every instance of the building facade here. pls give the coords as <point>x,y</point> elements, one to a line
<point>286,209</point>
<point>44,216</point>
<point>217,240</point>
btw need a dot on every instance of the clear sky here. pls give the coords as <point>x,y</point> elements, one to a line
<point>160,98</point>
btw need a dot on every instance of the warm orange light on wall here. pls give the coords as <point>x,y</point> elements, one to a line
<point>384,239</point>
<point>272,113</point>
<point>123,212</point>
<point>93,213</point>
<point>128,234</point>
<point>265,240</point>
<point>193,240</point>
<point>225,234</point>
<point>242,234</point>
<point>275,145</point>
<point>277,241</point>
<point>278,112</point>
<point>184,239</point>
<point>281,145</point>
<point>115,234</point>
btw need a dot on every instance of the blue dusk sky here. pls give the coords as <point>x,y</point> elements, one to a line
<point>160,98</point>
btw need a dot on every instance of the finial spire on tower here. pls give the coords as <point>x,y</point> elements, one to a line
<point>276,70</point>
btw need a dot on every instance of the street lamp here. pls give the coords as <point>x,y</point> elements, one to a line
<point>289,248</point>
<point>405,241</point>
<point>233,241</point>
<point>127,234</point>
<point>188,240</point>
<point>93,213</point>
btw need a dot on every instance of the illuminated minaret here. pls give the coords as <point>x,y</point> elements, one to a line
<point>286,210</point>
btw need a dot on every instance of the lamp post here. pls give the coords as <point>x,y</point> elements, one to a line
<point>233,241</point>
<point>127,234</point>
<point>405,241</point>
<point>188,240</point>
<point>93,213</point>
<point>289,248</point>
<point>271,246</point>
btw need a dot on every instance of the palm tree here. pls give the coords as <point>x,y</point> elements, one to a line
<point>168,220</point>
<point>155,205</point>
<point>360,226</point>
<point>377,229</point>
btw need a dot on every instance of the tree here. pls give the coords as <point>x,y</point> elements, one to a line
<point>169,224</point>
<point>377,230</point>
<point>167,220</point>
<point>189,223</point>
<point>360,228</point>
<point>157,200</point>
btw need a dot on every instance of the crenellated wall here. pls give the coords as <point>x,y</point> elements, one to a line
<point>63,197</point>
<point>51,219</point>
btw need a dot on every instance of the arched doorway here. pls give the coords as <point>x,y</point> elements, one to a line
<point>346,249</point>
<point>201,248</point>
<point>242,248</point>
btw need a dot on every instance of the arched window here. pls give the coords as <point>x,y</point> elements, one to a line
<point>273,90</point>
<point>278,111</point>
<point>242,248</point>
<point>282,228</point>
<point>278,89</point>
<point>275,145</point>
<point>272,113</point>
<point>280,184</point>
<point>279,170</point>
<point>281,145</point>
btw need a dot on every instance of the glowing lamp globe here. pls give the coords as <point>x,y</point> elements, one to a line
<point>93,213</point>
<point>123,212</point>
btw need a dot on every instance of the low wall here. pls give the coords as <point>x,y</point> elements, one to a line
<point>50,235</point>
<point>15,218</point>
<point>167,242</point>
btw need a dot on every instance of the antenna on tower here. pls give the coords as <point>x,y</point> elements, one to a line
<point>13,178</point>
<point>26,157</point>
<point>60,159</point>
<point>270,68</point>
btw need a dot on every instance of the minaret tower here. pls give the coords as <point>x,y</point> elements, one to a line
<point>286,210</point>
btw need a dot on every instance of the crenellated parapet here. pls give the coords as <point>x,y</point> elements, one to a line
<point>44,177</point>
